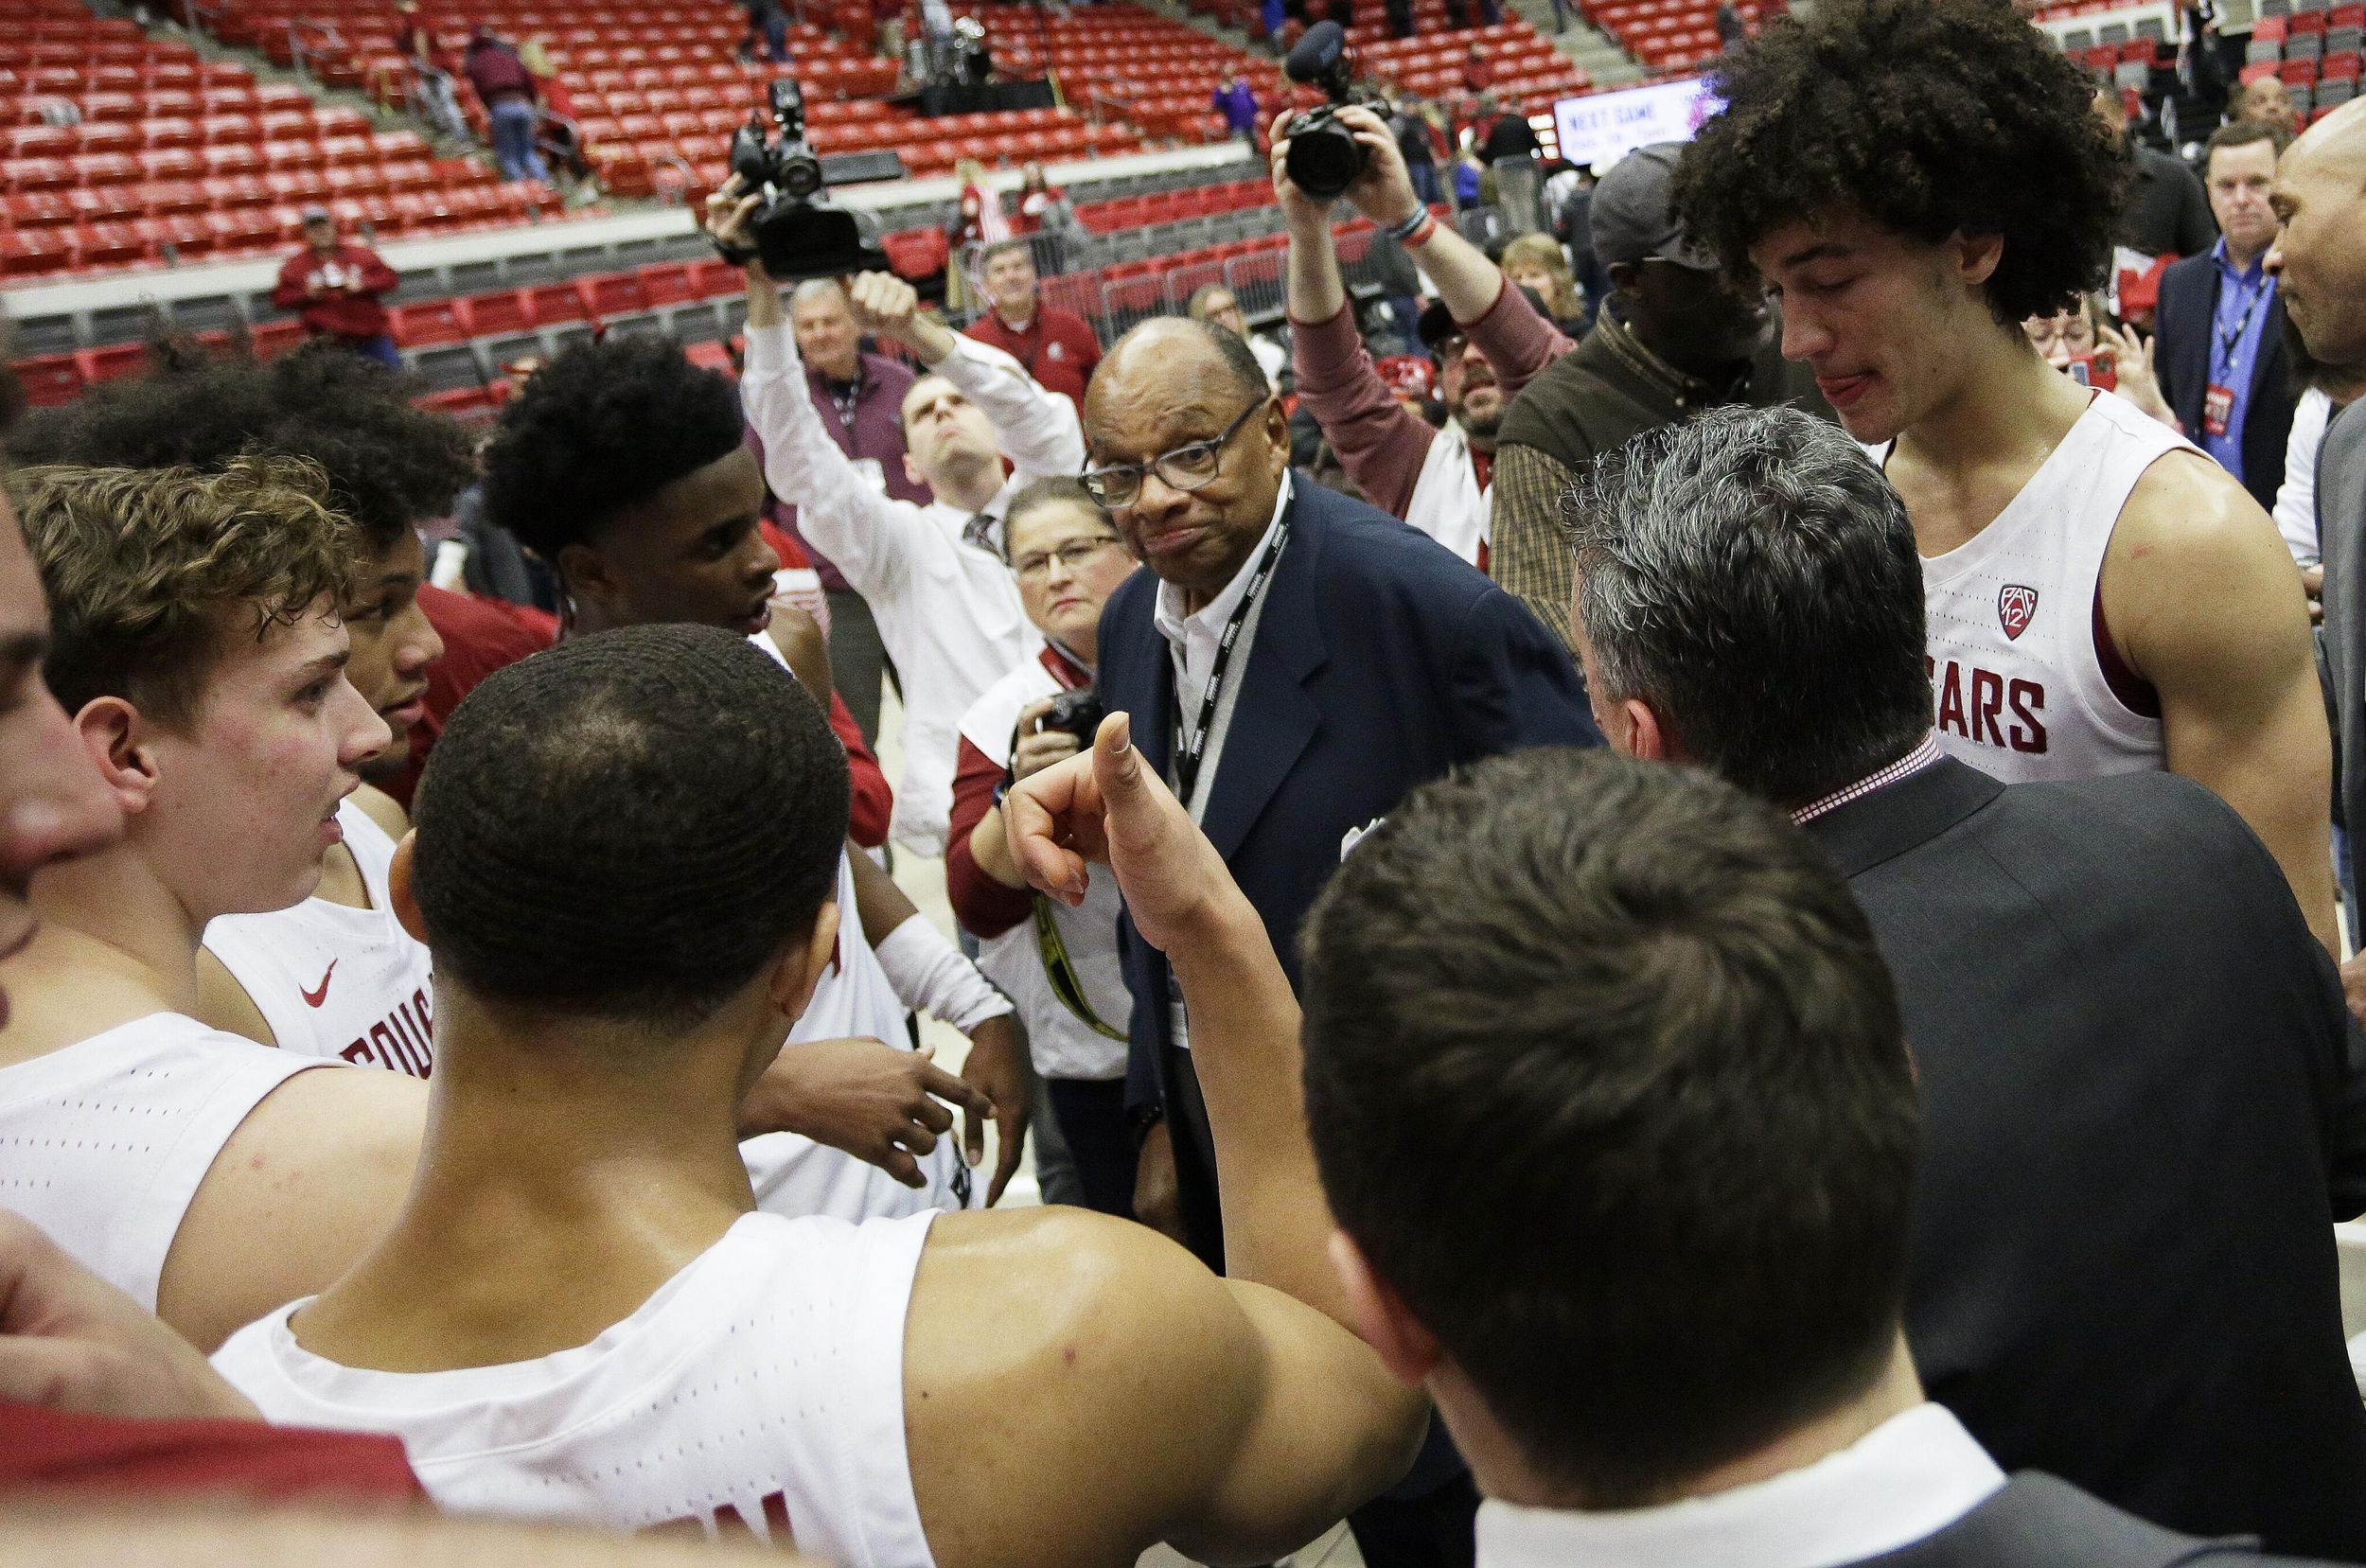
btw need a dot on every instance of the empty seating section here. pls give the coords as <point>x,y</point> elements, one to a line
<point>2315,53</point>
<point>1669,34</point>
<point>1528,71</point>
<point>117,150</point>
<point>658,89</point>
<point>1121,60</point>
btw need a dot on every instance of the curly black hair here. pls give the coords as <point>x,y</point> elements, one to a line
<point>599,428</point>
<point>391,465</point>
<point>1932,118</point>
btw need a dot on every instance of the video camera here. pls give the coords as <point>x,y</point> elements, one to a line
<point>798,233</point>
<point>1325,157</point>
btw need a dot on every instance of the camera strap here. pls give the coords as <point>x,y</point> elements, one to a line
<point>1191,747</point>
<point>1061,971</point>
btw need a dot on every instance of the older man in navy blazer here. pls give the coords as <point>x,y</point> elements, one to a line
<point>1295,661</point>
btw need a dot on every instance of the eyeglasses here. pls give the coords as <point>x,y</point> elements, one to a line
<point>1073,555</point>
<point>1188,468</point>
<point>2077,333</point>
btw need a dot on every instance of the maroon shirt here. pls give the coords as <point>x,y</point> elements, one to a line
<point>1057,348</point>
<point>336,310</point>
<point>149,1458</point>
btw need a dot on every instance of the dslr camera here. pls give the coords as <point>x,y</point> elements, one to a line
<point>1077,713</point>
<point>799,234</point>
<point>1325,157</point>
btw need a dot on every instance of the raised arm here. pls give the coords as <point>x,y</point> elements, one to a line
<point>870,536</point>
<point>1037,430</point>
<point>2216,618</point>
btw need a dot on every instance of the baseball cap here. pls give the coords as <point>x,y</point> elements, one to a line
<point>1437,324</point>
<point>1631,215</point>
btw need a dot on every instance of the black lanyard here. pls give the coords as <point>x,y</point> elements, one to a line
<point>1192,748</point>
<point>2227,341</point>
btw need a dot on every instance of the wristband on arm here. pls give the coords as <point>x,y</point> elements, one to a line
<point>929,973</point>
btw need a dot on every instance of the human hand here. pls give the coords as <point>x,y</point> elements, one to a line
<point>997,1067</point>
<point>2313,584</point>
<point>1038,749</point>
<point>884,304</point>
<point>1105,805</point>
<point>730,217</point>
<point>1384,192</point>
<point>876,1102</point>
<point>70,1341</point>
<point>2132,363</point>
<point>1299,211</point>
<point>1155,1201</point>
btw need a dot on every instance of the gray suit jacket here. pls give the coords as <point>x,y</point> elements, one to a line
<point>2342,536</point>
<point>2037,1522</point>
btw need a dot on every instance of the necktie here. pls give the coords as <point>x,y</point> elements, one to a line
<point>978,531</point>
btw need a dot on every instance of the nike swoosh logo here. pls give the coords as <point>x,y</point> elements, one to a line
<point>314,998</point>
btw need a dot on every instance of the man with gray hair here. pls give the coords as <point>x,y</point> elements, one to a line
<point>2136,1064</point>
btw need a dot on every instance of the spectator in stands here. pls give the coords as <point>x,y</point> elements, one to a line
<point>860,396</point>
<point>1400,13</point>
<point>1059,964</point>
<point>2263,101</point>
<point>2166,212</point>
<point>1216,303</point>
<point>2070,959</point>
<point>429,71</point>
<point>1236,100</point>
<point>1057,346</point>
<point>1731,29</point>
<point>2218,327</point>
<point>556,124</point>
<point>768,25</point>
<point>1537,261</point>
<point>507,90</point>
<point>978,221</point>
<point>1676,337</point>
<point>1487,340</point>
<point>1478,72</point>
<point>1408,124</point>
<point>1504,133</point>
<point>338,289</point>
<point>1038,199</point>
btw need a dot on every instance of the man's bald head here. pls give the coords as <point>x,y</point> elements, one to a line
<point>2320,202</point>
<point>1174,383</point>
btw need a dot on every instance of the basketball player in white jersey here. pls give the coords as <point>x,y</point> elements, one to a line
<point>578,1316</point>
<point>1913,180</point>
<point>196,646</point>
<point>335,976</point>
<point>625,468</point>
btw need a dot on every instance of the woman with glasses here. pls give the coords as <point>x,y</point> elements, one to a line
<point>2086,345</point>
<point>1058,964</point>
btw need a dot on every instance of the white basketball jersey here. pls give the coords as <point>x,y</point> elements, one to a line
<point>103,1144</point>
<point>792,1175</point>
<point>2015,626</point>
<point>761,1388</point>
<point>351,984</point>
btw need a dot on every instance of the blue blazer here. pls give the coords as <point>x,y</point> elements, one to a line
<point>2184,325</point>
<point>1381,661</point>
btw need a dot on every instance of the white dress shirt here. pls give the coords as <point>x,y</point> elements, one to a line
<point>2296,497</point>
<point>949,612</point>
<point>1907,1479</point>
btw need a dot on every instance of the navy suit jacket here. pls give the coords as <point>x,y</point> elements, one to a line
<point>2185,329</point>
<point>1381,661</point>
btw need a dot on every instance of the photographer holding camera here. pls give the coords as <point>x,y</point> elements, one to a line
<point>1059,965</point>
<point>1488,345</point>
<point>934,576</point>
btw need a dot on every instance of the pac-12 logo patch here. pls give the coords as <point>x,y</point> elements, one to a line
<point>2016,606</point>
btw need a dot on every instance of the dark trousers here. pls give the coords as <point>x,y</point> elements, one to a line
<point>1425,1520</point>
<point>857,659</point>
<point>1092,1118</point>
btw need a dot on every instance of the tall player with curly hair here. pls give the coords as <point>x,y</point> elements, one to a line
<point>1913,178</point>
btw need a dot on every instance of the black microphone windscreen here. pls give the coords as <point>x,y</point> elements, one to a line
<point>1315,53</point>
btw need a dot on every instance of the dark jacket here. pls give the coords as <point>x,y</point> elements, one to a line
<point>2167,212</point>
<point>2342,537</point>
<point>2037,1522</point>
<point>2139,1122</point>
<point>1380,662</point>
<point>2185,328</point>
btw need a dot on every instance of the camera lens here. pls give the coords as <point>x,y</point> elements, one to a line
<point>1324,160</point>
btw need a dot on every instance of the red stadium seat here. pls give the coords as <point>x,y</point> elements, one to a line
<point>50,379</point>
<point>440,321</point>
